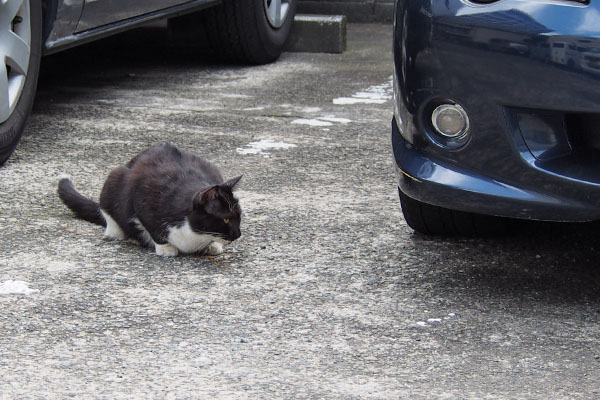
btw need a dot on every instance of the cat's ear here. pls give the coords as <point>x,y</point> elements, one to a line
<point>232,182</point>
<point>203,197</point>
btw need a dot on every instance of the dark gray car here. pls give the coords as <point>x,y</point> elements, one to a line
<point>242,31</point>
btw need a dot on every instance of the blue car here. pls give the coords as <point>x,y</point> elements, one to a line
<point>496,113</point>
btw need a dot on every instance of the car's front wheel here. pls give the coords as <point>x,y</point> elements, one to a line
<point>243,31</point>
<point>20,53</point>
<point>429,219</point>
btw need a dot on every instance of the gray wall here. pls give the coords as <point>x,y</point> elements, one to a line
<point>354,10</point>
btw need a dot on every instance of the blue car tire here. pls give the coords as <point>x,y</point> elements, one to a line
<point>429,219</point>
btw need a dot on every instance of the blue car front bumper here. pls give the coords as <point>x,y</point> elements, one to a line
<point>527,74</point>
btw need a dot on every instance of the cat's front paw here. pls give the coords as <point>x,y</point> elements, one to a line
<point>166,250</point>
<point>214,249</point>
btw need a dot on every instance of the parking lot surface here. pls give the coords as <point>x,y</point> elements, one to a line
<point>327,294</point>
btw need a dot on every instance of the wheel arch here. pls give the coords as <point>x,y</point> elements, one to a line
<point>49,11</point>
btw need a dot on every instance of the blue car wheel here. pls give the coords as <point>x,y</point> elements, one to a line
<point>434,220</point>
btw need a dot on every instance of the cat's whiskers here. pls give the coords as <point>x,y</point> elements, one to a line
<point>217,237</point>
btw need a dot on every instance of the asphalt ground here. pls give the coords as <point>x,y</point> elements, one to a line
<point>327,294</point>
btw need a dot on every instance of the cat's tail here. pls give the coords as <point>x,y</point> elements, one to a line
<point>83,207</point>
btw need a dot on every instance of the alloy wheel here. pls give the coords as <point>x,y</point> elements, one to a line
<point>276,11</point>
<point>15,50</point>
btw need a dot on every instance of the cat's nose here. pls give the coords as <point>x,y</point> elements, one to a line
<point>234,234</point>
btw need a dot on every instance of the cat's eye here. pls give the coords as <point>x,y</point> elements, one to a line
<point>226,220</point>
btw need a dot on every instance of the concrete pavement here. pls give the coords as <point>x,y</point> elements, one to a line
<point>327,294</point>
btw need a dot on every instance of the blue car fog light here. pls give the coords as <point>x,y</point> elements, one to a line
<point>446,124</point>
<point>450,121</point>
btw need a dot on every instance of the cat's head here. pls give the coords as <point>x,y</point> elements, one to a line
<point>216,211</point>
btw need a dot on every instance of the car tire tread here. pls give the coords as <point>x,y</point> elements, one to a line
<point>238,31</point>
<point>429,219</point>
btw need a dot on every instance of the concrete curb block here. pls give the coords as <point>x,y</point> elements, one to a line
<point>318,34</point>
<point>378,11</point>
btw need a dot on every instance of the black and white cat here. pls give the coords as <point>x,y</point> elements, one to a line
<point>165,198</point>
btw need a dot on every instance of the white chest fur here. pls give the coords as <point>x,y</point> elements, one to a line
<point>188,241</point>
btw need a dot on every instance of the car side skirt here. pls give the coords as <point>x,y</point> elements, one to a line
<point>58,41</point>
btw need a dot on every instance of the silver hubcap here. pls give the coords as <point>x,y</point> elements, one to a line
<point>276,11</point>
<point>15,48</point>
